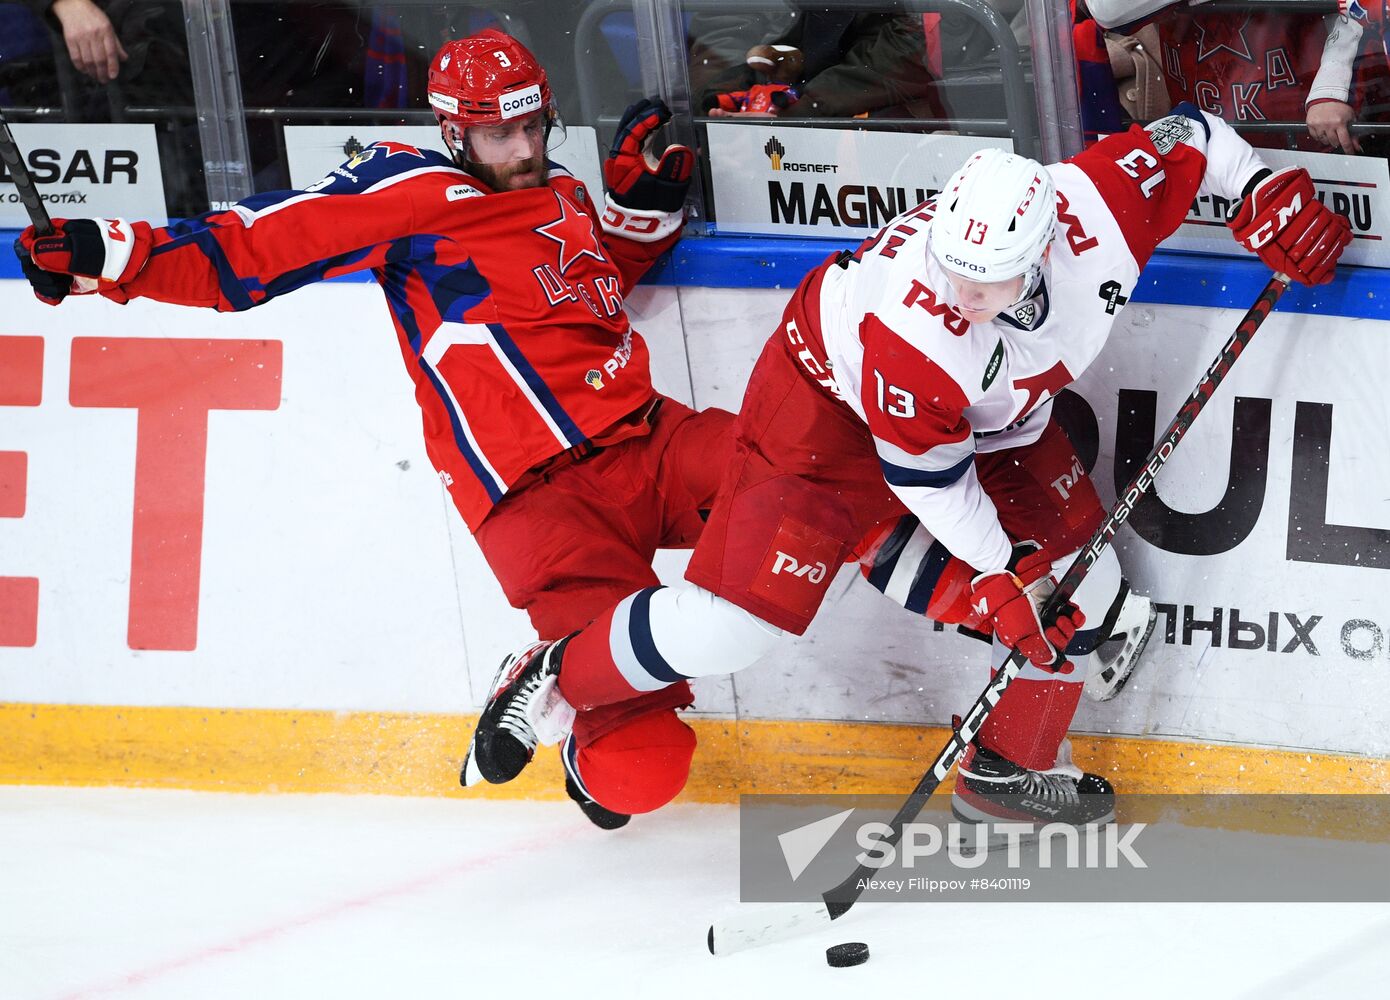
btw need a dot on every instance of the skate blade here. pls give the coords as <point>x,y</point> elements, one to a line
<point>469,775</point>
<point>1111,680</point>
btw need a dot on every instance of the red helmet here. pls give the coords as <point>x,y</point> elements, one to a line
<point>486,79</point>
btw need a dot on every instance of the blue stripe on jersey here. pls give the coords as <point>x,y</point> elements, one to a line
<point>493,488</point>
<point>302,276</point>
<point>392,279</point>
<point>932,567</point>
<point>1190,110</point>
<point>456,288</point>
<point>198,232</point>
<point>886,559</point>
<point>899,475</point>
<point>639,634</point>
<point>227,280</point>
<point>533,379</point>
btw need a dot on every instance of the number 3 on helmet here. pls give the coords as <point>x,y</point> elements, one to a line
<point>485,79</point>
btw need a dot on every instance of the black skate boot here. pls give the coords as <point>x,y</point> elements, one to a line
<point>525,708</point>
<point>992,789</point>
<point>601,817</point>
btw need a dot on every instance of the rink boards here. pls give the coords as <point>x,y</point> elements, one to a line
<point>226,562</point>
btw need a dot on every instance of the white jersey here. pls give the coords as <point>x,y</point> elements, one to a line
<point>936,389</point>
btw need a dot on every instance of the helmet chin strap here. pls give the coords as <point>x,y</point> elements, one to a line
<point>1033,278</point>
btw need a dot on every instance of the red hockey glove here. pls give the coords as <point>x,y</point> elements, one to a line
<point>1283,221</point>
<point>82,256</point>
<point>1012,600</point>
<point>48,287</point>
<point>633,178</point>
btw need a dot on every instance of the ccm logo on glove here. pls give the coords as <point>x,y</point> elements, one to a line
<point>1282,220</point>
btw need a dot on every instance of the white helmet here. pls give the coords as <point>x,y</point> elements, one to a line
<point>995,218</point>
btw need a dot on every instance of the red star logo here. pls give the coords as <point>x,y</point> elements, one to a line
<point>1217,33</point>
<point>574,231</point>
<point>392,148</point>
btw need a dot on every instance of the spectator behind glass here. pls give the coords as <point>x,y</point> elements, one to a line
<point>91,40</point>
<point>853,64</point>
<point>134,53</point>
<point>1257,66</point>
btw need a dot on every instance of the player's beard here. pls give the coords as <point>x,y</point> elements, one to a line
<point>515,176</point>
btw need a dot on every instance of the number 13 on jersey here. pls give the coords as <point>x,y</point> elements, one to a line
<point>1140,165</point>
<point>894,401</point>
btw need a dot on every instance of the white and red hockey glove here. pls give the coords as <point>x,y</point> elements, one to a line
<point>1013,600</point>
<point>82,256</point>
<point>1283,222</point>
<point>646,196</point>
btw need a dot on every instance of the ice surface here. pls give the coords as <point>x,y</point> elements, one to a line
<point>193,896</point>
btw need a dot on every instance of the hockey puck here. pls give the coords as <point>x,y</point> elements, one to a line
<point>842,956</point>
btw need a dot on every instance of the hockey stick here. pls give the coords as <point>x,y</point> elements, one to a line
<point>24,184</point>
<point>768,925</point>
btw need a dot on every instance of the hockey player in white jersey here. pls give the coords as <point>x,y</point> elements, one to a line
<point>917,374</point>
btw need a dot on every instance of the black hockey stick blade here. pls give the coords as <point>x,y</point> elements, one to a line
<point>24,184</point>
<point>764,926</point>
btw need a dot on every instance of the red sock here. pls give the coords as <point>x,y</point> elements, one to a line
<point>1031,720</point>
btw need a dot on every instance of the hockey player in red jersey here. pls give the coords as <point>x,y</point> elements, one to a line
<point>505,284</point>
<point>1254,66</point>
<point>917,373</point>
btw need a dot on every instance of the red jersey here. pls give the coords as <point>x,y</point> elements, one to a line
<point>1243,66</point>
<point>507,306</point>
<point>1254,67</point>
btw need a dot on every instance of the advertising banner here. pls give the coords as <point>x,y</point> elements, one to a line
<point>88,170</point>
<point>1355,186</point>
<point>784,180</point>
<point>314,150</point>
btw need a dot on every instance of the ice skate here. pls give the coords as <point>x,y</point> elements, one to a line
<point>525,708</point>
<point>600,816</point>
<point>1114,660</point>
<point>992,789</point>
